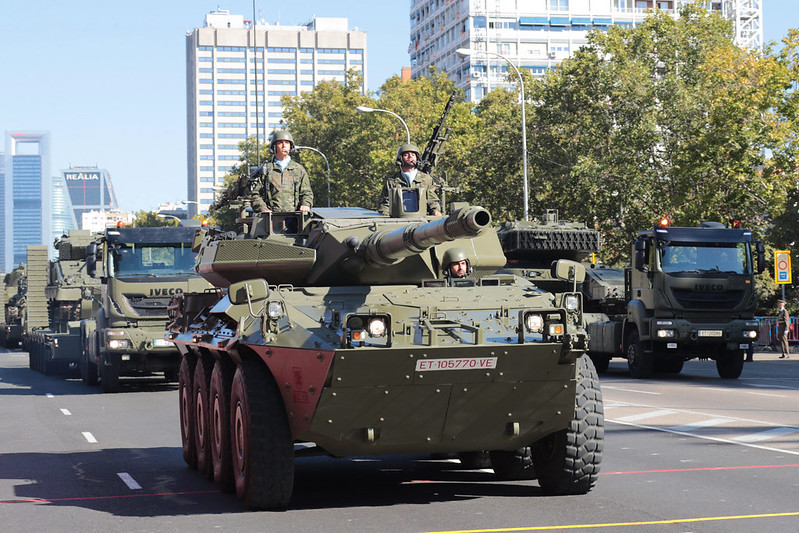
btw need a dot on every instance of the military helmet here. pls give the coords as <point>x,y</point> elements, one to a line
<point>281,135</point>
<point>407,147</point>
<point>455,255</point>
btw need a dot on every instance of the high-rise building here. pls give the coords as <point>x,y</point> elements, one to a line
<point>27,188</point>
<point>90,189</point>
<point>535,34</point>
<point>63,219</point>
<point>236,73</point>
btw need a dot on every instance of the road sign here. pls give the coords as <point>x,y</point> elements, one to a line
<point>782,266</point>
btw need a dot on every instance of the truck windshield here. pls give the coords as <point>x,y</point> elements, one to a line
<point>726,257</point>
<point>156,260</point>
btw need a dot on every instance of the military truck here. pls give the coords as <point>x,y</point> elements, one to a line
<point>337,333</point>
<point>689,292</point>
<point>141,269</point>
<point>60,295</point>
<point>15,284</point>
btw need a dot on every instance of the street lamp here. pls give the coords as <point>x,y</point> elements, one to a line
<point>465,52</point>
<point>162,215</point>
<point>364,109</point>
<point>326,164</point>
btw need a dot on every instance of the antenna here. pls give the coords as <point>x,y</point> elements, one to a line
<point>257,119</point>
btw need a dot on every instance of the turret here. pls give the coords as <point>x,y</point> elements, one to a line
<point>348,246</point>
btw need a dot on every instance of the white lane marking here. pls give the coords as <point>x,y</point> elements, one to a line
<point>710,422</point>
<point>647,415</point>
<point>631,390</point>
<point>66,412</point>
<point>49,395</point>
<point>765,435</point>
<point>89,437</point>
<point>766,394</point>
<point>129,481</point>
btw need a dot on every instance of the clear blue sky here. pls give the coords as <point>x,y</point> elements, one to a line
<point>108,79</point>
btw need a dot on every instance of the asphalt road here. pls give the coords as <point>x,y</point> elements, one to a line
<point>683,453</point>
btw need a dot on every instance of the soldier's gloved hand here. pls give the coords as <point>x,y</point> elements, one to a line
<point>305,208</point>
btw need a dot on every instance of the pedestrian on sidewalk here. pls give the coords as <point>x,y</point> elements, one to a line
<point>783,324</point>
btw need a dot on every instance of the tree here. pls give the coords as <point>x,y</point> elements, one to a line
<point>150,219</point>
<point>668,118</point>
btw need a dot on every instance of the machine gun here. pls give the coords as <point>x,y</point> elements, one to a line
<point>434,149</point>
<point>243,189</point>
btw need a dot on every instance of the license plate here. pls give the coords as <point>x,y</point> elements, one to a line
<point>161,343</point>
<point>458,363</point>
<point>710,333</point>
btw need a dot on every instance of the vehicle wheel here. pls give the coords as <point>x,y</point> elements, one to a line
<point>263,453</point>
<point>109,372</point>
<point>567,462</point>
<point>219,403</point>
<point>641,364</point>
<point>88,364</point>
<point>730,364</point>
<point>516,464</point>
<point>202,435</point>
<point>601,362</point>
<point>186,399</point>
<point>669,365</point>
<point>474,460</point>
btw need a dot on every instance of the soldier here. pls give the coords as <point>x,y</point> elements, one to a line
<point>456,264</point>
<point>283,184</point>
<point>408,157</point>
<point>783,326</point>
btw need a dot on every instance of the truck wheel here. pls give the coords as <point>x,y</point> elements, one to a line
<point>601,362</point>
<point>202,435</point>
<point>219,427</point>
<point>641,364</point>
<point>88,365</point>
<point>730,364</point>
<point>109,372</point>
<point>186,399</point>
<point>567,462</point>
<point>516,464</point>
<point>263,453</point>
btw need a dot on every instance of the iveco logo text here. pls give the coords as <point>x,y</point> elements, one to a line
<point>709,287</point>
<point>165,292</point>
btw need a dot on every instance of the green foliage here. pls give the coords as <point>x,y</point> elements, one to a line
<point>150,219</point>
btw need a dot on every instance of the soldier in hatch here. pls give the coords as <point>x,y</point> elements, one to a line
<point>283,184</point>
<point>408,157</point>
<point>455,264</point>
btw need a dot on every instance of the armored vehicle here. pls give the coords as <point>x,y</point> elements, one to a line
<point>141,269</point>
<point>531,247</point>
<point>60,294</point>
<point>688,293</point>
<point>336,333</point>
<point>14,287</point>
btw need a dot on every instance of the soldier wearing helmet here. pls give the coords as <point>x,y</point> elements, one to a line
<point>283,184</point>
<point>408,157</point>
<point>456,264</point>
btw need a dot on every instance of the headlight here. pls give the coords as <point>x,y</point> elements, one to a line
<point>664,323</point>
<point>274,310</point>
<point>376,327</point>
<point>750,334</point>
<point>117,344</point>
<point>572,302</point>
<point>534,323</point>
<point>665,333</point>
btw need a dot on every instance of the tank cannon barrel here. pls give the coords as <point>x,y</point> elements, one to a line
<point>385,248</point>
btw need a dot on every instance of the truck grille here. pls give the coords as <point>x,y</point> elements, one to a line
<point>148,307</point>
<point>692,300</point>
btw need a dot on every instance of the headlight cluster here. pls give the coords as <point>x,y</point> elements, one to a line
<point>663,329</point>
<point>117,344</point>
<point>750,334</point>
<point>363,328</point>
<point>572,302</point>
<point>275,310</point>
<point>549,325</point>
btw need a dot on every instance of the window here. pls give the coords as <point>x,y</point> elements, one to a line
<point>478,22</point>
<point>558,5</point>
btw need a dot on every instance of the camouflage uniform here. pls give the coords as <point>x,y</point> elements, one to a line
<point>287,190</point>
<point>421,180</point>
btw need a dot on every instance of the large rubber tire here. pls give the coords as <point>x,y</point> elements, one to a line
<point>219,403</point>
<point>89,373</point>
<point>202,434</point>
<point>641,364</point>
<point>186,403</point>
<point>109,372</point>
<point>263,453</point>
<point>516,464</point>
<point>567,462</point>
<point>730,364</point>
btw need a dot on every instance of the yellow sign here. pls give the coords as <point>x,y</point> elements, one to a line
<point>782,266</point>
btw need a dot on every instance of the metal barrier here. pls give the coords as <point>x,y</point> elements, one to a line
<point>767,328</point>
